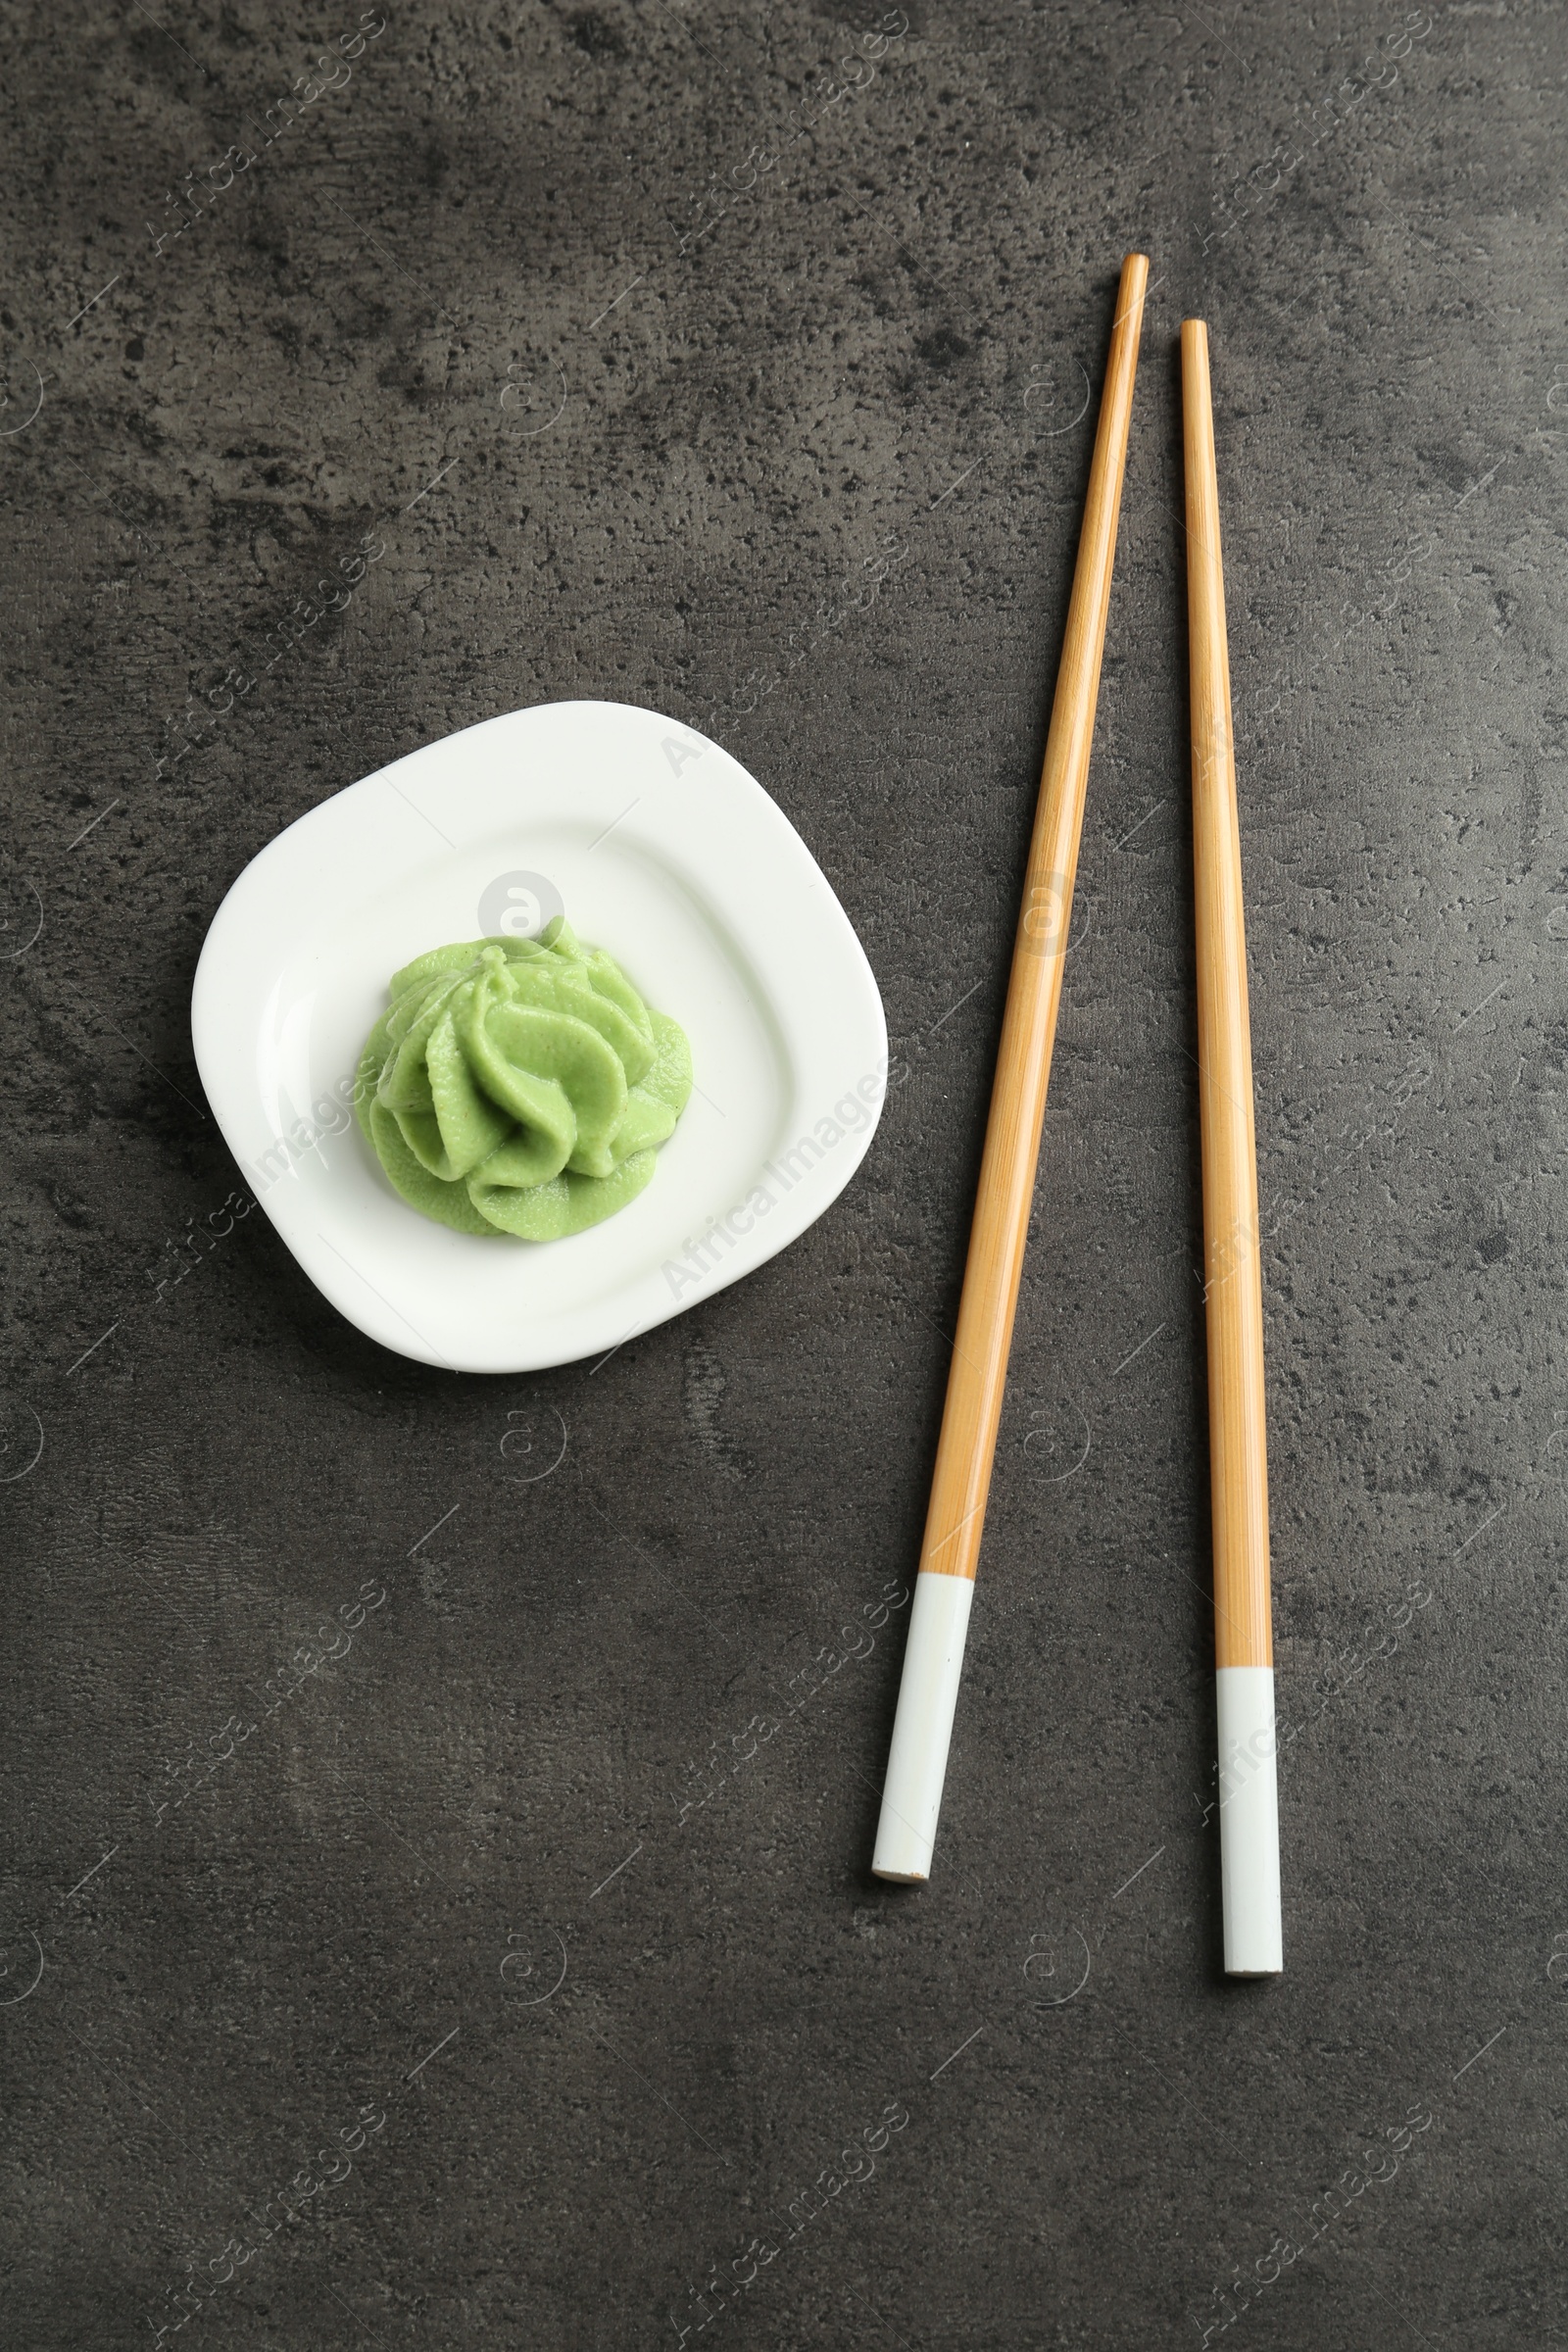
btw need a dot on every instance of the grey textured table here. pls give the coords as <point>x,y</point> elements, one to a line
<point>675,360</point>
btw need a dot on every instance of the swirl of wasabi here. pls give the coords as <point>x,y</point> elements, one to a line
<point>521,1086</point>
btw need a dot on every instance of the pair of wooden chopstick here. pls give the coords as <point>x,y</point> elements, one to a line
<point>944,1588</point>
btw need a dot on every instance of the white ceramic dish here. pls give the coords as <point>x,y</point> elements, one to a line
<point>662,849</point>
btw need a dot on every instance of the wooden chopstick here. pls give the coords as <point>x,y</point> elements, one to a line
<point>1244,1648</point>
<point>911,1797</point>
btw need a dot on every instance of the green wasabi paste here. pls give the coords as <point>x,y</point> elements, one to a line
<point>521,1086</point>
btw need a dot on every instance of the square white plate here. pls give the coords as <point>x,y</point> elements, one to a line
<point>660,849</point>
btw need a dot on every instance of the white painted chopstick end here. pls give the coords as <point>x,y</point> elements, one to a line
<point>1249,1820</point>
<point>933,1665</point>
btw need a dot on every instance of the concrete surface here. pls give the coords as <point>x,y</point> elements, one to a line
<point>630,373</point>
